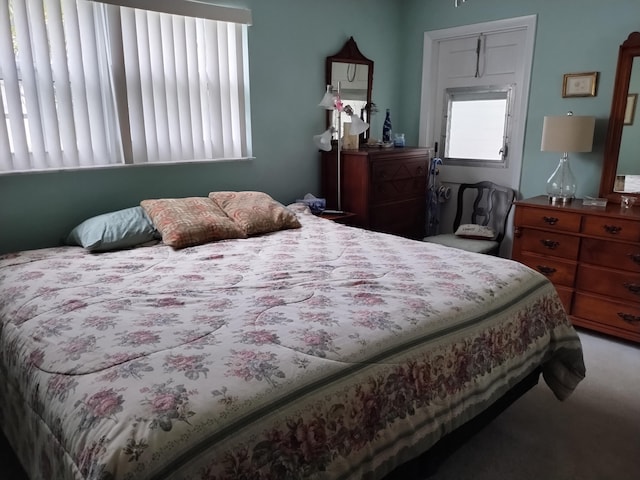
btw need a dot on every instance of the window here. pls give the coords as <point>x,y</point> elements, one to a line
<point>476,129</point>
<point>85,83</point>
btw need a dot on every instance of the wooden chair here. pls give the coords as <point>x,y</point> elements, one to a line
<point>483,204</point>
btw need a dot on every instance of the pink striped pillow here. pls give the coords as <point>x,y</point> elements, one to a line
<point>184,222</point>
<point>255,212</point>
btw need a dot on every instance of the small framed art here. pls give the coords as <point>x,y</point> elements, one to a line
<point>630,109</point>
<point>579,84</point>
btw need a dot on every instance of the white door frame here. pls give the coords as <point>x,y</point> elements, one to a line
<point>429,115</point>
<point>430,73</point>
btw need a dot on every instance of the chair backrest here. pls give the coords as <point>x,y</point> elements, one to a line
<point>490,205</point>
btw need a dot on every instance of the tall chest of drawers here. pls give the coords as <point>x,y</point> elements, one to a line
<point>592,256</point>
<point>385,188</point>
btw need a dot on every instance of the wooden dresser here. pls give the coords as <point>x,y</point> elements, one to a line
<point>591,254</point>
<point>385,188</point>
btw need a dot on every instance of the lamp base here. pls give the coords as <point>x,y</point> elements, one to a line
<point>555,200</point>
<point>561,186</point>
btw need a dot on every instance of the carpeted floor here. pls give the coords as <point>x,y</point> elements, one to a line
<point>594,435</point>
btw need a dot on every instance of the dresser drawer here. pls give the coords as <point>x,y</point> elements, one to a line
<point>398,180</point>
<point>394,169</point>
<point>615,228</point>
<point>605,311</point>
<point>549,243</point>
<point>549,219</point>
<point>592,256</point>
<point>603,252</point>
<point>400,218</point>
<point>606,281</point>
<point>560,272</point>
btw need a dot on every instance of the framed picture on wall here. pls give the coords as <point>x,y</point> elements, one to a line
<point>579,84</point>
<point>630,110</point>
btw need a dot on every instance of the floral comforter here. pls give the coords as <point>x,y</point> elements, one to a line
<point>321,352</point>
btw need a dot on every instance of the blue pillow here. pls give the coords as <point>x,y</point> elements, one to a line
<point>114,230</point>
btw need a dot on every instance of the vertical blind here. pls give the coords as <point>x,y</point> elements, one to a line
<point>85,83</point>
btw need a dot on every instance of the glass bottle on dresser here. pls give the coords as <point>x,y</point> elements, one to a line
<point>386,128</point>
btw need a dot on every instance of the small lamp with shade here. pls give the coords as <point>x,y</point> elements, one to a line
<point>565,134</point>
<point>331,101</point>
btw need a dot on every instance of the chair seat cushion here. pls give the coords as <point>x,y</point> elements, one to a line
<point>468,244</point>
<point>471,230</point>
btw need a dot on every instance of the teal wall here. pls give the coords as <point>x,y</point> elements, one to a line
<point>572,36</point>
<point>288,43</point>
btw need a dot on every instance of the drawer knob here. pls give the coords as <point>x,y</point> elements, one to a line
<point>627,317</point>
<point>635,257</point>
<point>550,220</point>
<point>612,229</point>
<point>632,287</point>
<point>548,271</point>
<point>550,244</point>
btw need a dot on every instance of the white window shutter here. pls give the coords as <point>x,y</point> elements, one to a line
<point>114,84</point>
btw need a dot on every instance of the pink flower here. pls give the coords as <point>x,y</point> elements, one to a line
<point>192,277</point>
<point>313,339</point>
<point>168,302</point>
<point>79,345</point>
<point>261,337</point>
<point>73,305</point>
<point>104,403</point>
<point>164,403</point>
<point>141,337</point>
<point>245,355</point>
<point>183,362</point>
<point>270,301</point>
<point>36,357</point>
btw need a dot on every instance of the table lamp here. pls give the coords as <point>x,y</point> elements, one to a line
<point>566,134</point>
<point>331,101</point>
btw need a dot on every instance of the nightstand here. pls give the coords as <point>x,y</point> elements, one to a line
<point>342,217</point>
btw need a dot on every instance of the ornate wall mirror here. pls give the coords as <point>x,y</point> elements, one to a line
<point>354,72</point>
<point>621,168</point>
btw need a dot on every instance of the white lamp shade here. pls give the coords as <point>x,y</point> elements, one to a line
<point>323,141</point>
<point>329,99</point>
<point>358,125</point>
<point>567,133</point>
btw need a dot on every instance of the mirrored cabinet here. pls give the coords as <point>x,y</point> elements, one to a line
<point>621,168</point>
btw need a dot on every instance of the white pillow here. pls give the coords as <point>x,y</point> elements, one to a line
<point>470,230</point>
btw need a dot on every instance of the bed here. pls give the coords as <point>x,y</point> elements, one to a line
<point>322,351</point>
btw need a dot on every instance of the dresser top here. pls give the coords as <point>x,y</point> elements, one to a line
<point>387,151</point>
<point>611,210</point>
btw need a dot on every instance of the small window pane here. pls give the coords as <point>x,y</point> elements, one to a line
<point>475,127</point>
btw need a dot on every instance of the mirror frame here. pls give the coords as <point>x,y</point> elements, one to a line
<point>350,53</point>
<point>628,51</point>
